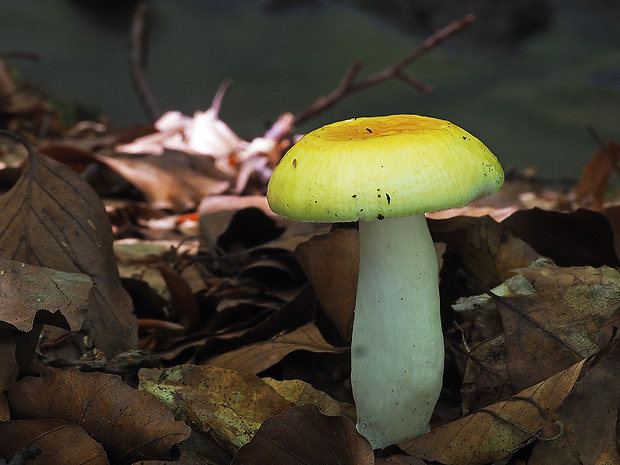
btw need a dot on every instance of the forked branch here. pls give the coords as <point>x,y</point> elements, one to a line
<point>348,86</point>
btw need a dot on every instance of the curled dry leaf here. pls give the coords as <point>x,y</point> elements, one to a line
<point>61,442</point>
<point>303,435</point>
<point>229,406</point>
<point>595,176</point>
<point>489,435</point>
<point>173,181</point>
<point>331,263</point>
<point>129,424</point>
<point>255,358</point>
<point>579,238</point>
<point>28,289</point>
<point>53,218</point>
<point>487,249</point>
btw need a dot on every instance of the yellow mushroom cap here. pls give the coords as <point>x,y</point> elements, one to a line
<point>382,167</point>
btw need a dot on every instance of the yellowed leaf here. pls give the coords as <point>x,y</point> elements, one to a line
<point>229,406</point>
<point>300,393</point>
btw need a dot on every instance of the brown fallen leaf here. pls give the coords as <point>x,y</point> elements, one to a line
<point>331,263</point>
<point>595,176</point>
<point>227,405</point>
<point>28,290</point>
<point>491,434</point>
<point>300,393</point>
<point>61,442</point>
<point>175,180</point>
<point>183,299</point>
<point>303,435</point>
<point>129,424</point>
<point>56,220</point>
<point>558,325</point>
<point>486,249</point>
<point>579,238</point>
<point>255,358</point>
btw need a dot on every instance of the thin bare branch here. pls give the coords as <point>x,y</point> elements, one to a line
<point>347,86</point>
<point>137,57</point>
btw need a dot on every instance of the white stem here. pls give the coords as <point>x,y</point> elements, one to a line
<point>397,349</point>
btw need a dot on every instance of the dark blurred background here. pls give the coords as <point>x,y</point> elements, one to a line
<point>527,77</point>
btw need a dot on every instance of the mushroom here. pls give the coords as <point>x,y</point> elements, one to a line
<point>387,172</point>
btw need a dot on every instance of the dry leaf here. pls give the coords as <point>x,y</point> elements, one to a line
<point>300,393</point>
<point>61,442</point>
<point>331,263</point>
<point>129,424</point>
<point>579,238</point>
<point>255,358</point>
<point>489,435</point>
<point>55,219</point>
<point>589,417</point>
<point>486,249</point>
<point>174,181</point>
<point>183,299</point>
<point>303,435</point>
<point>595,176</point>
<point>558,325</point>
<point>229,406</point>
<point>27,289</point>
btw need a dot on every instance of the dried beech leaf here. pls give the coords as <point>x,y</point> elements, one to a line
<point>255,358</point>
<point>489,435</point>
<point>303,435</point>
<point>486,248</point>
<point>128,423</point>
<point>331,263</point>
<point>53,218</point>
<point>558,325</point>
<point>27,289</point>
<point>172,181</point>
<point>62,442</point>
<point>579,238</point>
<point>595,176</point>
<point>300,393</point>
<point>230,406</point>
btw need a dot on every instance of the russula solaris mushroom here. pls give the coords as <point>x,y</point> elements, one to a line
<point>387,172</point>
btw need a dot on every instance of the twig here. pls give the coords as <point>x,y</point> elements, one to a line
<point>347,86</point>
<point>137,56</point>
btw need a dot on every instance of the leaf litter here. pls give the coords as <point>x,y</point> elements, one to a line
<point>214,318</point>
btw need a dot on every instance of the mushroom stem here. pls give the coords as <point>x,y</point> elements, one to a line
<point>397,348</point>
